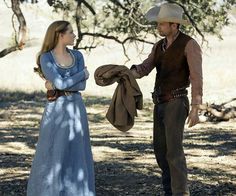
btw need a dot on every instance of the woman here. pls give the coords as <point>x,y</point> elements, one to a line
<point>63,163</point>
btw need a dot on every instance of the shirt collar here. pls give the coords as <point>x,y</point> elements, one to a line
<point>164,44</point>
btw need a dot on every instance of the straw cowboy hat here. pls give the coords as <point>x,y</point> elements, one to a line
<point>167,12</point>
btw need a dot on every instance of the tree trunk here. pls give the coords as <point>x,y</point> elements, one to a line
<point>22,33</point>
<point>77,20</point>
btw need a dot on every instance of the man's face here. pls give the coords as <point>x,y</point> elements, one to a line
<point>165,28</point>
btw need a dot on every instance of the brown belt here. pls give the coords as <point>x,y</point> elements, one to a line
<point>168,97</point>
<point>158,99</point>
<point>52,95</point>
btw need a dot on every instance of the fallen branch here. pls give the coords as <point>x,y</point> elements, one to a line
<point>216,113</point>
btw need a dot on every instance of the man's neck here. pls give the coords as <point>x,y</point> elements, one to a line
<point>171,38</point>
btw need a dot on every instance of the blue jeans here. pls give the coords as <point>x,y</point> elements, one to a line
<point>169,120</point>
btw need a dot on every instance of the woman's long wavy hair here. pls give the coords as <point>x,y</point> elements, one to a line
<point>50,41</point>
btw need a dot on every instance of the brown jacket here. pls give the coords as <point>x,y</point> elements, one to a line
<point>127,97</point>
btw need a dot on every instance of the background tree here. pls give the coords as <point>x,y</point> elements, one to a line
<point>124,21</point>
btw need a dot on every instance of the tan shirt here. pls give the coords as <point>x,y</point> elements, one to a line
<point>193,54</point>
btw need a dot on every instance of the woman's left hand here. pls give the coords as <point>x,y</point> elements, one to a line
<point>49,85</point>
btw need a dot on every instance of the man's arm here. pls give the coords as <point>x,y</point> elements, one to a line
<point>135,73</point>
<point>146,66</point>
<point>194,57</point>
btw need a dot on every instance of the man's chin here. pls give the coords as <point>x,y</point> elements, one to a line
<point>161,34</point>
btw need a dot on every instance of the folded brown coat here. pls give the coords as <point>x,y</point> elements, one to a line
<point>127,97</point>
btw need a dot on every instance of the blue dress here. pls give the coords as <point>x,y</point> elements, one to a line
<point>63,163</point>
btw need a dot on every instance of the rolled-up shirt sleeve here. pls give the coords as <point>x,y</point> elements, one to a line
<point>147,65</point>
<point>194,57</point>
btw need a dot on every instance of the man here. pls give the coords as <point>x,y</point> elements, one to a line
<point>178,61</point>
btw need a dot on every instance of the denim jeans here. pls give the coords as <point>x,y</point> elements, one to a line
<point>169,120</point>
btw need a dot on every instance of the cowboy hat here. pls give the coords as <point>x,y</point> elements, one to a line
<point>167,12</point>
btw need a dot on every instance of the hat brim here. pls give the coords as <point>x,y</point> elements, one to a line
<point>173,20</point>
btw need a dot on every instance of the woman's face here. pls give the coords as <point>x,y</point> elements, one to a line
<point>68,37</point>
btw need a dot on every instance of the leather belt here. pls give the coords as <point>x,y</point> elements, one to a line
<point>162,98</point>
<point>52,95</point>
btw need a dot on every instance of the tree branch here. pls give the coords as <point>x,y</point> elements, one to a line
<point>86,47</point>
<point>224,103</point>
<point>190,19</point>
<point>89,7</point>
<point>111,37</point>
<point>117,3</point>
<point>7,51</point>
<point>103,36</point>
<point>139,24</point>
<point>6,4</point>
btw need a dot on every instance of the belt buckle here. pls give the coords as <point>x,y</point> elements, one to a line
<point>67,93</point>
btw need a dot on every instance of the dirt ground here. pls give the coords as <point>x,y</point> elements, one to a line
<point>124,162</point>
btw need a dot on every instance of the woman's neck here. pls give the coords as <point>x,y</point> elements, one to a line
<point>60,49</point>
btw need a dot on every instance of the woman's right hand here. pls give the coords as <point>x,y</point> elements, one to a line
<point>86,73</point>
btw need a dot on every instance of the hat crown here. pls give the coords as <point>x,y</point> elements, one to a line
<point>167,12</point>
<point>170,10</point>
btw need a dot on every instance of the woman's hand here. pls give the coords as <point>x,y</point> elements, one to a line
<point>49,85</point>
<point>86,73</point>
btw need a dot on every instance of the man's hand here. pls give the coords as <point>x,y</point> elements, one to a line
<point>193,117</point>
<point>86,73</point>
<point>135,73</point>
<point>49,85</point>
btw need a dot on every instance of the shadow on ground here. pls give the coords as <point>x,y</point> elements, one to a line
<point>20,115</point>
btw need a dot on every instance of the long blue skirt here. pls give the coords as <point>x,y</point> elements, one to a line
<point>63,163</point>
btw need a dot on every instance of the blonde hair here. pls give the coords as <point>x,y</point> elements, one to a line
<point>51,40</point>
